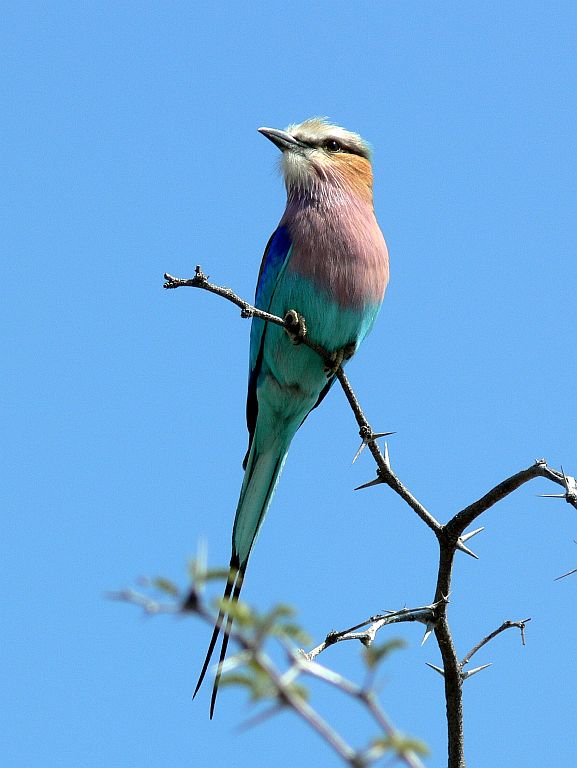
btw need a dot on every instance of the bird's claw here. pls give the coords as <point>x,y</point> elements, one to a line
<point>337,358</point>
<point>295,326</point>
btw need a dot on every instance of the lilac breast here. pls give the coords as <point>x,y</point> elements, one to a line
<point>339,246</point>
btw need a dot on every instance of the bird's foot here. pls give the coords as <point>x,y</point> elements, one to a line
<point>295,326</point>
<point>337,358</point>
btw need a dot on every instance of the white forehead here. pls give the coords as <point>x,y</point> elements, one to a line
<point>318,129</point>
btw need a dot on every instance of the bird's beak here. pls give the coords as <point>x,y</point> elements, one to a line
<point>283,140</point>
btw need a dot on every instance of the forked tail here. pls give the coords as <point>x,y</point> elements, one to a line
<point>260,480</point>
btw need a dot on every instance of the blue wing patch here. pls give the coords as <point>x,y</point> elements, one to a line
<point>273,260</point>
<point>275,257</point>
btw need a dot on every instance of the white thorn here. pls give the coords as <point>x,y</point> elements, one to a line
<point>429,628</point>
<point>471,672</point>
<point>362,446</point>
<point>376,481</point>
<point>465,549</point>
<point>366,440</point>
<point>470,535</point>
<point>386,457</point>
<point>437,669</point>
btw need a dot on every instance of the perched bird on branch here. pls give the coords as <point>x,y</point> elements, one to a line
<point>325,265</point>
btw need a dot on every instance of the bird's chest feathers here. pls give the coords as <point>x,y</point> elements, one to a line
<point>341,251</point>
<point>335,277</point>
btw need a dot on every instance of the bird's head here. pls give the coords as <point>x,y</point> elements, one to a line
<point>321,159</point>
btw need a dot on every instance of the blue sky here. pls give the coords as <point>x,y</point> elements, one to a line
<point>129,147</point>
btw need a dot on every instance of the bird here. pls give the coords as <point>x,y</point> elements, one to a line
<point>325,270</point>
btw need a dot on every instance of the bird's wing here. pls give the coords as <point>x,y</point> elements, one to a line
<point>274,260</point>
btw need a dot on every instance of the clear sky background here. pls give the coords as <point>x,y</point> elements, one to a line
<point>129,148</point>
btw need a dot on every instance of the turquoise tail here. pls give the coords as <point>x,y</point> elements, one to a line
<point>261,477</point>
<point>262,473</point>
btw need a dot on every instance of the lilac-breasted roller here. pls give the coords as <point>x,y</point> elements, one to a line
<point>328,261</point>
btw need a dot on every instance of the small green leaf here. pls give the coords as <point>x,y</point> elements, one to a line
<point>198,572</point>
<point>165,585</point>
<point>374,654</point>
<point>268,622</point>
<point>280,611</point>
<point>255,680</point>
<point>294,632</point>
<point>402,745</point>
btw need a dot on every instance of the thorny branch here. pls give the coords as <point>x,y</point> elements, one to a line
<point>505,625</point>
<point>426,615</point>
<point>451,536</point>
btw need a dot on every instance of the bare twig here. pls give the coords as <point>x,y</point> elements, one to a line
<point>466,516</point>
<point>564,575</point>
<point>149,606</point>
<point>247,310</point>
<point>425,614</point>
<point>505,625</point>
<point>384,472</point>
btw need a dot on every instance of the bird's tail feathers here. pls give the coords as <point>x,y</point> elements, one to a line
<point>232,594</point>
<point>260,480</point>
<point>225,638</point>
<point>261,477</point>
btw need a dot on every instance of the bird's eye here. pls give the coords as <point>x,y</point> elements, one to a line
<point>332,145</point>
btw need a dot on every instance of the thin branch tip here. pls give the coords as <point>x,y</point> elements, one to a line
<point>508,624</point>
<point>564,575</point>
